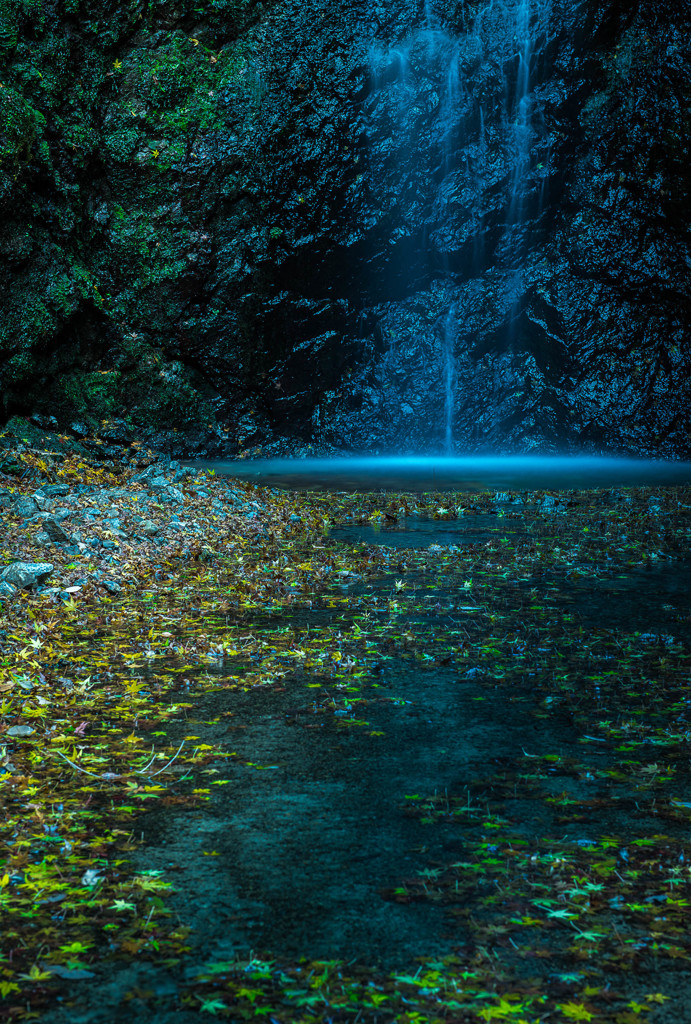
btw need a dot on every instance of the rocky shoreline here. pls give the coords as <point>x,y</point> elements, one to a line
<point>80,525</point>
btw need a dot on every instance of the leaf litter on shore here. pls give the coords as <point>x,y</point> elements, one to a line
<point>94,686</point>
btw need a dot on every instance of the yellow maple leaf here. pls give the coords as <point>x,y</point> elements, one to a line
<point>117,64</point>
<point>575,1011</point>
<point>36,974</point>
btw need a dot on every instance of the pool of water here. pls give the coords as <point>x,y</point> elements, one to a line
<point>654,600</point>
<point>306,850</point>
<point>417,532</point>
<point>298,851</point>
<point>469,473</point>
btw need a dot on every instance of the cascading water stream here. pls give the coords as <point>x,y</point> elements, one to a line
<point>522,110</point>
<point>449,372</point>
<point>476,90</point>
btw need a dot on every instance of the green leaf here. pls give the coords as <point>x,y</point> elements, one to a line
<point>212,1006</point>
<point>121,905</point>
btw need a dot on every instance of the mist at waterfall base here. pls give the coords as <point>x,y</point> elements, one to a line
<point>487,124</point>
<point>448,473</point>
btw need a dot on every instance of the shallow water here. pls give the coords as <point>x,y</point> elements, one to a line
<point>416,532</point>
<point>654,601</point>
<point>469,473</point>
<point>306,848</point>
<point>310,846</point>
<point>298,852</point>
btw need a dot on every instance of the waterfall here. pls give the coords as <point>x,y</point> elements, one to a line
<point>449,334</point>
<point>521,112</point>
<point>473,92</point>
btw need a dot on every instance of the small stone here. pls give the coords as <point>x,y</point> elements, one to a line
<point>55,490</point>
<point>110,545</point>
<point>43,420</point>
<point>111,586</point>
<point>55,531</point>
<point>25,507</point>
<point>20,730</point>
<point>115,493</point>
<point>171,494</point>
<point>91,877</point>
<point>6,590</point>
<point>158,484</point>
<point>145,474</point>
<point>26,574</point>
<point>149,528</point>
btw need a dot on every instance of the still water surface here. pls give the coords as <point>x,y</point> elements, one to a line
<point>470,473</point>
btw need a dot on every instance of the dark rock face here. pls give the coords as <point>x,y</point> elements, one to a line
<point>349,225</point>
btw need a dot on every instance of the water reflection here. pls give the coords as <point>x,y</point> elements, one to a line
<point>415,532</point>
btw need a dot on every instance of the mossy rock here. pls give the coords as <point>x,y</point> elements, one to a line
<point>20,125</point>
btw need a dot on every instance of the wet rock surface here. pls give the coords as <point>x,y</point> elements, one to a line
<point>343,226</point>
